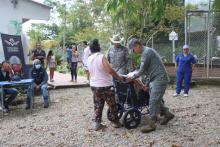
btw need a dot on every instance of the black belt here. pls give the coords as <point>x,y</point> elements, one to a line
<point>103,88</point>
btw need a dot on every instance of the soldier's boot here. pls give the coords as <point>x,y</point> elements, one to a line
<point>166,118</point>
<point>151,126</point>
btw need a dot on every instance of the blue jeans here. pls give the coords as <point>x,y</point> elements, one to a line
<point>74,70</point>
<point>12,92</point>
<point>44,92</point>
<point>68,59</point>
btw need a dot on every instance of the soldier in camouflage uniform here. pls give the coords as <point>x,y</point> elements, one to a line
<point>152,66</point>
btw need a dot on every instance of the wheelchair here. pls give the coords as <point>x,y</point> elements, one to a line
<point>131,104</point>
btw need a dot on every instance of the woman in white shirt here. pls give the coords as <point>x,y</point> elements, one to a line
<point>102,86</point>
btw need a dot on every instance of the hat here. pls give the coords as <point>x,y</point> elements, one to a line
<point>116,39</point>
<point>36,61</point>
<point>185,46</point>
<point>132,42</point>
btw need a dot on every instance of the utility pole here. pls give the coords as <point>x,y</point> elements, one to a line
<point>209,29</point>
<point>64,28</point>
<point>185,21</point>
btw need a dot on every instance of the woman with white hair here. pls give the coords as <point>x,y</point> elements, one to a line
<point>185,64</point>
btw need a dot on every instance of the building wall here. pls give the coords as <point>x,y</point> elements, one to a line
<point>25,9</point>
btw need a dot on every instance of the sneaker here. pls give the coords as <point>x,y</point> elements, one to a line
<point>167,117</point>
<point>186,95</point>
<point>97,126</point>
<point>5,110</point>
<point>46,105</point>
<point>116,124</point>
<point>176,94</point>
<point>28,107</point>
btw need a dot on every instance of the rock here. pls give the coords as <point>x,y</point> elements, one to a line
<point>175,145</point>
<point>34,114</point>
<point>152,143</point>
<point>197,106</point>
<point>194,114</point>
<point>21,127</point>
<point>51,133</point>
<point>61,115</point>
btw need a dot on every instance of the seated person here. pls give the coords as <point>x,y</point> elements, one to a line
<point>142,91</point>
<point>5,75</point>
<point>40,76</point>
<point>134,92</point>
<point>139,94</point>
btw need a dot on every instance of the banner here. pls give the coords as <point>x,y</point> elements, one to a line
<point>13,49</point>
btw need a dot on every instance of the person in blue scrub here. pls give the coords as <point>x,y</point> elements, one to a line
<point>185,63</point>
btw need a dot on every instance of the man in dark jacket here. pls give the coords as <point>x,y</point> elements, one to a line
<point>40,76</point>
<point>39,54</point>
<point>5,75</point>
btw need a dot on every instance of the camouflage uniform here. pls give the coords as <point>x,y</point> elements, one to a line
<point>153,67</point>
<point>100,96</point>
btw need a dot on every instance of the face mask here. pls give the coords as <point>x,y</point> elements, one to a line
<point>37,66</point>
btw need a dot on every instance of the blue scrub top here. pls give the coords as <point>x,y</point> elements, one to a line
<point>69,53</point>
<point>185,62</point>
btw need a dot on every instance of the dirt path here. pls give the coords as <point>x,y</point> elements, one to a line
<point>68,123</point>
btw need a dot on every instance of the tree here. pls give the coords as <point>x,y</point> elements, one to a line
<point>141,18</point>
<point>216,5</point>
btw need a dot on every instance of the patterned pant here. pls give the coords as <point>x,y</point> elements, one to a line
<point>100,96</point>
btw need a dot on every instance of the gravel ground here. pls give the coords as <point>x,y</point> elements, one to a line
<point>68,122</point>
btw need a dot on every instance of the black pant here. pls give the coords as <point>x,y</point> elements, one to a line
<point>11,93</point>
<point>74,70</point>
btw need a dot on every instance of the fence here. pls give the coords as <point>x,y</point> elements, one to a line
<point>163,45</point>
<point>203,37</point>
<point>203,29</point>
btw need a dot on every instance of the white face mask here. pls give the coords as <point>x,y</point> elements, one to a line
<point>37,66</point>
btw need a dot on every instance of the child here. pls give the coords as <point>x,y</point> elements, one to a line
<point>51,63</point>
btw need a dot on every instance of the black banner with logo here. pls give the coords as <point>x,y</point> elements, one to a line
<point>13,49</point>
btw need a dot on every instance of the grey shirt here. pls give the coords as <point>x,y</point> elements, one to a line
<point>119,59</point>
<point>152,66</point>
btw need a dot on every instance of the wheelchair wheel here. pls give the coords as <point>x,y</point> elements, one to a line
<point>132,118</point>
<point>120,112</point>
